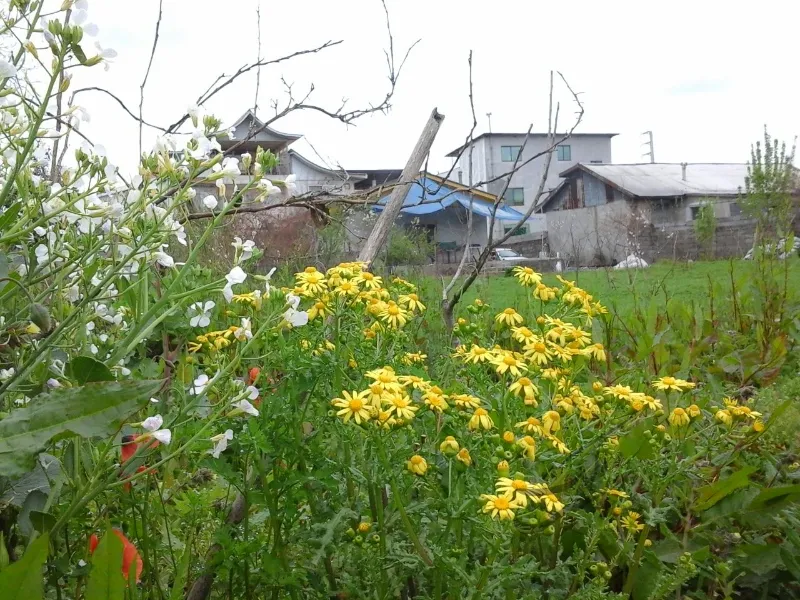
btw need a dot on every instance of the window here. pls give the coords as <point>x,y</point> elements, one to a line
<point>565,152</point>
<point>521,230</point>
<point>460,176</point>
<point>509,153</point>
<point>695,212</point>
<point>609,193</point>
<point>515,196</point>
<point>735,209</point>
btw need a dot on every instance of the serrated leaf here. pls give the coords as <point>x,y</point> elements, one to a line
<point>709,495</point>
<point>775,497</point>
<point>106,581</point>
<point>85,369</point>
<point>23,579</point>
<point>95,409</point>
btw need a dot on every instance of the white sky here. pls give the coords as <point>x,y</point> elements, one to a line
<point>703,75</point>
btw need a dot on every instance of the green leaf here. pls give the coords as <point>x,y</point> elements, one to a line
<point>85,369</point>
<point>35,502</point>
<point>9,215</point>
<point>183,571</point>
<point>775,497</point>
<point>48,469</point>
<point>106,581</point>
<point>709,495</point>
<point>3,267</point>
<point>635,444</point>
<point>23,579</point>
<point>95,409</point>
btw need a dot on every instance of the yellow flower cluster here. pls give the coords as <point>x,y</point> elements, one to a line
<point>515,494</point>
<point>351,284</point>
<point>733,411</point>
<point>214,340</point>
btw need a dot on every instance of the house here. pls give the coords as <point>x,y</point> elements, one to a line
<point>601,213</point>
<point>494,154</point>
<point>442,207</point>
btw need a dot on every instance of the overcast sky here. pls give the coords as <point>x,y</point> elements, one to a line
<point>703,75</point>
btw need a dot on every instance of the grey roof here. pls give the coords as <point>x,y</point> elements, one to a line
<point>249,114</point>
<point>349,175</point>
<point>523,134</point>
<point>666,179</point>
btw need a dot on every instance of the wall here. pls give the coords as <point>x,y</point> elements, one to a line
<point>308,177</point>
<point>678,210</point>
<point>677,241</point>
<point>591,236</point>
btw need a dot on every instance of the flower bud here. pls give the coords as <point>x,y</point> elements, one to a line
<point>449,447</point>
<point>40,316</point>
<point>648,543</point>
<point>597,386</point>
<point>503,468</point>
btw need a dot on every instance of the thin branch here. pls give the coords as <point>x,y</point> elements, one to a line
<point>147,73</point>
<point>258,56</point>
<point>59,98</point>
<point>467,246</point>
<point>120,102</point>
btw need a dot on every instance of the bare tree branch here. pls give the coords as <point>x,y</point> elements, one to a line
<point>258,56</point>
<point>147,72</point>
<point>120,102</point>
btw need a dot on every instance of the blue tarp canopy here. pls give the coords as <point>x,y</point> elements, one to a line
<point>427,196</point>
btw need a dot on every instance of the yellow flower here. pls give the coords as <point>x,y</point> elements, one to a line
<point>402,282</point>
<point>318,309</point>
<point>597,351</point>
<point>502,468</point>
<point>368,280</point>
<point>528,446</point>
<point>631,522</point>
<point>679,417</point>
<point>417,465</point>
<point>386,419</point>
<point>556,443</point>
<point>671,383</point>
<point>393,315</point>
<point>527,276</point>
<point>526,388</point>
<point>542,494</point>
<point>194,347</point>
<point>564,354</point>
<point>311,282</point>
<point>623,392</point>
<point>480,420</point>
<point>499,506</point>
<point>449,446</point>
<point>352,405</point>
<point>552,421</point>
<point>530,425</point>
<point>522,334</point>
<point>364,527</point>
<point>401,406</point>
<point>537,352</point>
<point>346,288</point>
<point>464,457</point>
<point>375,395</point>
<point>597,386</point>
<point>411,301</point>
<point>435,402</point>
<point>466,401</point>
<point>613,492</point>
<point>417,383</point>
<point>409,358</point>
<point>386,377</point>
<point>517,489</point>
<point>758,426</point>
<point>509,437</point>
<point>693,411</point>
<point>506,362</point>
<point>509,317</point>
<point>476,355</point>
<point>544,293</point>
<point>724,416</point>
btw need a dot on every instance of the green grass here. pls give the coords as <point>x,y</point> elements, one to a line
<point>621,290</point>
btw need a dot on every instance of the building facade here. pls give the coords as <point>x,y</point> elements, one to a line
<point>493,155</point>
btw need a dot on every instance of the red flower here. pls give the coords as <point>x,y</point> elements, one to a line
<point>130,554</point>
<point>252,375</point>
<point>128,448</point>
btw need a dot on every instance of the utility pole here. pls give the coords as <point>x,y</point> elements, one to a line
<point>489,116</point>
<point>649,143</point>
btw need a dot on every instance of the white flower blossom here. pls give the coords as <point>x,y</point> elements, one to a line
<point>244,332</point>
<point>6,374</point>
<point>162,435</point>
<point>244,250</point>
<point>200,313</point>
<point>53,383</point>
<point>236,275</point>
<point>296,318</point>
<point>153,423</point>
<point>210,202</point>
<point>244,406</point>
<point>266,186</point>
<point>199,385</point>
<point>291,185</point>
<point>252,392</point>
<point>7,69</point>
<point>268,278</point>
<point>220,442</point>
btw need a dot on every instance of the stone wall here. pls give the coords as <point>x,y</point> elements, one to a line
<point>733,238</point>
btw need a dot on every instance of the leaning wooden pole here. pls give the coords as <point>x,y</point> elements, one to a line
<point>383,226</point>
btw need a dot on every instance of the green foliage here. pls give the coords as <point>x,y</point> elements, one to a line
<point>23,579</point>
<point>408,246</point>
<point>105,579</point>
<point>705,226</point>
<point>95,409</point>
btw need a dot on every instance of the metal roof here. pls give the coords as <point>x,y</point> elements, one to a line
<point>667,179</point>
<point>427,196</point>
<point>523,134</point>
<point>349,175</point>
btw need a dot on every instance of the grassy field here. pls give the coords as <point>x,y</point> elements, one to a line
<point>619,290</point>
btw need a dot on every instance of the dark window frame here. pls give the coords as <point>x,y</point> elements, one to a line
<point>511,199</point>
<point>508,154</point>
<point>564,152</point>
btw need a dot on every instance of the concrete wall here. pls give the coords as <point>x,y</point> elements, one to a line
<point>591,236</point>
<point>309,179</point>
<point>677,241</point>
<point>487,162</point>
<point>679,210</point>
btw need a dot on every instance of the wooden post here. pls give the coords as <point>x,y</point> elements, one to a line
<point>380,233</point>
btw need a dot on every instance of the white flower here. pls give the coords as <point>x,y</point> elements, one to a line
<point>162,435</point>
<point>267,279</point>
<point>230,167</point>
<point>195,113</point>
<point>221,442</point>
<point>252,392</point>
<point>292,300</point>
<point>244,406</point>
<point>200,313</point>
<point>266,186</point>
<point>210,202</point>
<point>199,385</point>
<point>164,259</point>
<point>82,5</point>
<point>244,332</point>
<point>236,275</point>
<point>296,318</point>
<point>244,250</point>
<point>81,563</point>
<point>53,383</point>
<point>154,400</point>
<point>42,254</point>
<point>93,349</point>
<point>6,374</point>
<point>153,423</point>
<point>291,185</point>
<point>7,69</point>
<point>90,29</point>
<point>105,53</point>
